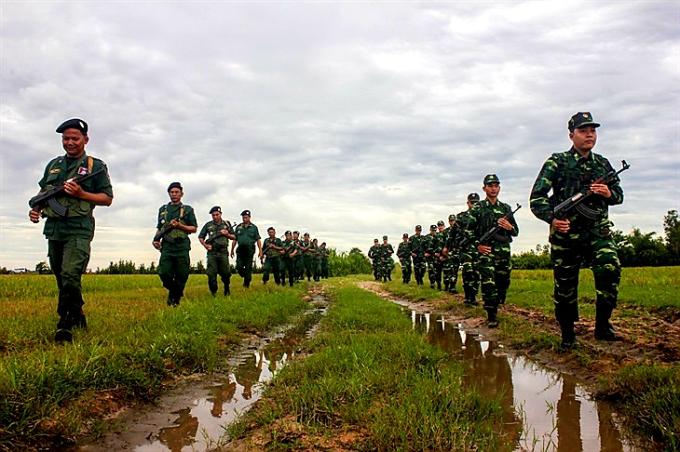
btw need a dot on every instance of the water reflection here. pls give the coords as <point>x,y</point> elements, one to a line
<point>557,413</point>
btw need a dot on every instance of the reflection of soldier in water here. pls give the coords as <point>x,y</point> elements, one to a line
<point>221,394</point>
<point>610,440</point>
<point>248,373</point>
<point>569,418</point>
<point>181,435</point>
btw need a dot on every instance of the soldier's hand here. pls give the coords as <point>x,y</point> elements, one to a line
<point>34,216</point>
<point>157,244</point>
<point>207,246</point>
<point>505,224</point>
<point>601,189</point>
<point>174,223</point>
<point>484,249</point>
<point>72,188</point>
<point>561,226</point>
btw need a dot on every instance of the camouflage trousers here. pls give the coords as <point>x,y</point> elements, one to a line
<point>450,270</point>
<point>494,273</point>
<point>406,270</point>
<point>376,268</point>
<point>419,267</point>
<point>385,268</point>
<point>568,253</point>
<point>434,271</point>
<point>470,273</point>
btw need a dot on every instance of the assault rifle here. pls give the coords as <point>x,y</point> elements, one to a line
<point>490,233</point>
<point>576,201</point>
<point>212,238</point>
<point>49,197</point>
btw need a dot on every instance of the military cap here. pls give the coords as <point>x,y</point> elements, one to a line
<point>288,233</point>
<point>175,185</point>
<point>216,209</point>
<point>452,217</point>
<point>271,228</point>
<point>74,123</point>
<point>433,227</point>
<point>581,119</point>
<point>384,237</point>
<point>440,223</point>
<point>375,240</point>
<point>296,232</point>
<point>405,234</point>
<point>245,212</point>
<point>473,197</point>
<point>419,227</point>
<point>491,179</point>
<point>323,243</point>
<point>306,234</point>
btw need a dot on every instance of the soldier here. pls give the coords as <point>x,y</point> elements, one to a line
<point>577,240</point>
<point>494,259</point>
<point>404,255</point>
<point>452,236</point>
<point>468,256</point>
<point>374,256</point>
<point>69,236</point>
<point>214,237</point>
<point>247,236</point>
<point>307,249</point>
<point>386,261</point>
<point>440,259</point>
<point>325,254</point>
<point>416,244</point>
<point>289,252</point>
<point>431,254</point>
<point>273,248</point>
<point>298,261</point>
<point>316,263</point>
<point>175,222</point>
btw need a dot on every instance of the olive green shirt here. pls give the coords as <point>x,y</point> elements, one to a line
<point>211,229</point>
<point>166,214</point>
<point>247,236</point>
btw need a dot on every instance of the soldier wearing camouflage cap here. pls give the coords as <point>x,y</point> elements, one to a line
<point>576,240</point>
<point>374,256</point>
<point>470,270</point>
<point>404,255</point>
<point>431,243</point>
<point>451,252</point>
<point>416,244</point>
<point>386,261</point>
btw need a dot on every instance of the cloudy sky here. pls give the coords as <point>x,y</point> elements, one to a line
<point>348,120</point>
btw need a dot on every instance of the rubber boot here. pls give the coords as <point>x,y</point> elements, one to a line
<point>604,331</point>
<point>470,298</point>
<point>492,320</point>
<point>568,334</point>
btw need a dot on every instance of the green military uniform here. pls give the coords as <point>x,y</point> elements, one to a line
<point>469,257</point>
<point>69,237</point>
<point>452,236</point>
<point>316,263</point>
<point>218,255</point>
<point>433,265</point>
<point>404,255</point>
<point>386,263</point>
<point>439,258</point>
<point>272,263</point>
<point>325,254</point>
<point>246,238</point>
<point>417,246</point>
<point>374,256</point>
<point>308,249</point>
<point>174,264</point>
<point>299,261</point>
<point>495,267</point>
<point>289,249</point>
<point>588,241</point>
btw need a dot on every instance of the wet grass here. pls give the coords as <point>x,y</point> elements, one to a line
<point>371,383</point>
<point>134,346</point>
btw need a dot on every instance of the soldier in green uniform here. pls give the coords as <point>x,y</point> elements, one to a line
<point>374,256</point>
<point>290,250</point>
<point>214,237</point>
<point>307,249</point>
<point>432,257</point>
<point>494,256</point>
<point>175,222</point>
<point>386,261</point>
<point>298,260</point>
<point>451,236</point>
<point>404,255</point>
<point>273,249</point>
<point>69,236</point>
<point>247,236</point>
<point>577,240</point>
<point>325,254</point>
<point>316,263</point>
<point>416,244</point>
<point>440,258</point>
<point>469,256</point>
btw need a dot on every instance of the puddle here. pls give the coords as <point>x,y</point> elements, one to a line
<point>192,417</point>
<point>556,412</point>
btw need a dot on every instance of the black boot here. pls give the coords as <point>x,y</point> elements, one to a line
<point>439,285</point>
<point>604,331</point>
<point>568,334</point>
<point>470,298</point>
<point>492,320</point>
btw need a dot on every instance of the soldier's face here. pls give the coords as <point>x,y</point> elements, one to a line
<point>74,142</point>
<point>288,236</point>
<point>452,222</point>
<point>175,195</point>
<point>217,216</point>
<point>492,190</point>
<point>272,233</point>
<point>246,219</point>
<point>584,138</point>
<point>441,228</point>
<point>405,239</point>
<point>385,241</point>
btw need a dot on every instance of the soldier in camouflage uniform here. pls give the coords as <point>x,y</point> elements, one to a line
<point>494,257</point>
<point>452,236</point>
<point>374,256</point>
<point>469,256</point>
<point>416,244</point>
<point>290,250</point>
<point>69,237</point>
<point>440,258</point>
<point>273,248</point>
<point>577,240</point>
<point>175,222</point>
<point>386,261</point>
<point>431,243</point>
<point>404,255</point>
<point>217,232</point>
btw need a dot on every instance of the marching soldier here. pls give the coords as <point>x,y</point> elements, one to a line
<point>417,245</point>
<point>299,262</point>
<point>247,236</point>
<point>325,254</point>
<point>386,261</point>
<point>214,237</point>
<point>290,251</point>
<point>468,256</point>
<point>452,235</point>
<point>374,256</point>
<point>404,255</point>
<point>273,248</point>
<point>431,243</point>
<point>307,249</point>
<point>576,240</point>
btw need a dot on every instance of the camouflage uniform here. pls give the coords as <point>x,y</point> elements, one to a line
<point>469,257</point>
<point>374,256</point>
<point>386,262</point>
<point>416,244</point>
<point>495,267</point>
<point>431,244</point>
<point>588,242</point>
<point>404,255</point>
<point>451,237</point>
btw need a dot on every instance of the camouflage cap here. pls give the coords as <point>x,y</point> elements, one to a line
<point>491,179</point>
<point>215,209</point>
<point>581,119</point>
<point>419,227</point>
<point>440,223</point>
<point>433,227</point>
<point>452,217</point>
<point>405,235</point>
<point>376,240</point>
<point>74,123</point>
<point>473,198</point>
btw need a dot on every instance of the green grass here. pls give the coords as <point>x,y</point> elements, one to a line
<point>370,373</point>
<point>133,345</point>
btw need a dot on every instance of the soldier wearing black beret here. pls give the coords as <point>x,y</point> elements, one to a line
<point>247,236</point>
